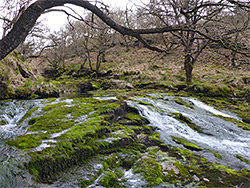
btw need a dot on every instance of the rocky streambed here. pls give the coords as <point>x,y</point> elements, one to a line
<point>153,140</point>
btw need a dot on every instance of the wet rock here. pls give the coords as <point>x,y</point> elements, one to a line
<point>84,87</point>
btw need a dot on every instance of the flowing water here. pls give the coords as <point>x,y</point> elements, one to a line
<point>219,135</point>
<point>11,169</point>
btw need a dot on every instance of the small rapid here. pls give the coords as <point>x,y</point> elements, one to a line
<point>10,114</point>
<point>12,171</point>
<point>221,136</point>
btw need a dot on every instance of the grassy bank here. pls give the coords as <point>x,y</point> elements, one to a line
<point>215,80</point>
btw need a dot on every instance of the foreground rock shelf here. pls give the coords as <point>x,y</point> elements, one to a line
<point>86,142</point>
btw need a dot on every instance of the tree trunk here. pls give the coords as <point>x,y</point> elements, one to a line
<point>188,66</point>
<point>27,21</point>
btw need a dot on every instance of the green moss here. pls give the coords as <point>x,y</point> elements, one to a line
<point>85,130</point>
<point>23,92</point>
<point>18,71</point>
<point>153,150</point>
<point>246,120</point>
<point>155,137</point>
<point>241,124</point>
<point>28,114</point>
<point>234,105</point>
<point>180,101</point>
<point>29,141</point>
<point>82,140</point>
<point>34,96</point>
<point>177,171</point>
<point>49,100</point>
<point>150,169</point>
<point>108,179</point>
<point>128,157</point>
<point>44,123</point>
<point>187,121</point>
<point>96,85</point>
<point>242,159</point>
<point>225,168</point>
<point>85,183</point>
<point>133,116</point>
<point>216,154</point>
<point>186,144</point>
<point>3,122</point>
<point>212,90</point>
<point>53,106</point>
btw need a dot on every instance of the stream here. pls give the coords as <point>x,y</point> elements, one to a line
<point>219,135</point>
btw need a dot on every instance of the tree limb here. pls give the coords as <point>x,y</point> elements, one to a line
<point>28,19</point>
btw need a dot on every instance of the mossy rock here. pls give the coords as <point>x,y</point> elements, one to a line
<point>188,121</point>
<point>240,107</point>
<point>28,141</point>
<point>241,124</point>
<point>175,172</point>
<point>3,122</point>
<point>28,114</point>
<point>187,144</point>
<point>108,179</point>
<point>180,101</point>
<point>210,174</point>
<point>210,90</point>
<point>216,154</point>
<point>81,128</point>
<point>246,119</point>
<point>150,169</point>
<point>242,159</point>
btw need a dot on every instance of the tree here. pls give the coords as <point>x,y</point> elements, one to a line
<point>11,10</point>
<point>91,36</point>
<point>186,24</point>
<point>203,22</point>
<point>28,19</point>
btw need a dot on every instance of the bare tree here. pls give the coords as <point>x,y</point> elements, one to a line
<point>10,11</point>
<point>191,22</point>
<point>203,22</point>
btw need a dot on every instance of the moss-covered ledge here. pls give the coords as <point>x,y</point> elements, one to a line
<point>68,133</point>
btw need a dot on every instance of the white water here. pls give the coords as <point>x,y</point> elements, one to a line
<point>12,113</point>
<point>225,137</point>
<point>210,108</point>
<point>222,136</point>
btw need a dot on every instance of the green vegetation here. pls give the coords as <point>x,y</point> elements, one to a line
<point>118,139</point>
<point>83,139</point>
<point>187,121</point>
<point>115,133</point>
<point>186,144</point>
<point>29,141</point>
<point>150,169</point>
<point>242,159</point>
<point>241,124</point>
<point>240,107</point>
<point>180,101</point>
<point>217,155</point>
<point>108,179</point>
<point>28,114</point>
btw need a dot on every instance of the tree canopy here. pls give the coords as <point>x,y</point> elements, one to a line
<point>195,24</point>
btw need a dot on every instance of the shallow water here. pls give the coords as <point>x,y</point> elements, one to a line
<point>221,136</point>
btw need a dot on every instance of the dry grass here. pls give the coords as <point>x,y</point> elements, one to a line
<point>140,65</point>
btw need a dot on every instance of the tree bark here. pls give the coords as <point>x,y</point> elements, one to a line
<point>188,66</point>
<point>24,24</point>
<point>28,19</point>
